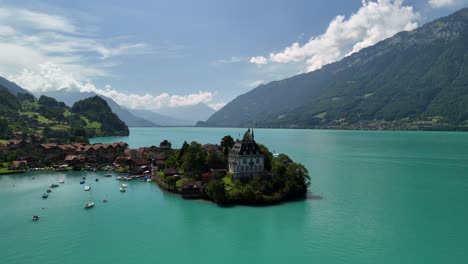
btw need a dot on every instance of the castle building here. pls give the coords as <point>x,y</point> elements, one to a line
<point>245,159</point>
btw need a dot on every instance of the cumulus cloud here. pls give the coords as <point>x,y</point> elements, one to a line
<point>50,77</point>
<point>29,38</point>
<point>373,22</point>
<point>442,3</point>
<point>259,60</point>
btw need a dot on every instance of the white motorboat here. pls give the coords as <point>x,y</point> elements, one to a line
<point>87,188</point>
<point>89,205</point>
<point>123,189</point>
<point>124,185</point>
<point>61,181</point>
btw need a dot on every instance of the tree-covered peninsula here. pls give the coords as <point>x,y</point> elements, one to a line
<point>234,172</point>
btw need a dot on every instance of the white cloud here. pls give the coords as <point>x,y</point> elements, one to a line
<point>442,3</point>
<point>50,77</point>
<point>259,60</point>
<point>36,20</point>
<point>29,38</point>
<point>253,84</point>
<point>233,59</point>
<point>373,22</point>
<point>217,106</point>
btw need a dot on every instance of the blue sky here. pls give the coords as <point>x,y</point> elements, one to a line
<point>153,54</point>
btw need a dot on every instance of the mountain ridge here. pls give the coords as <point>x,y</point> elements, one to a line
<point>413,80</point>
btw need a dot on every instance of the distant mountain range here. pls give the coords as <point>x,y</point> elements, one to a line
<point>12,87</point>
<point>413,80</point>
<point>180,116</point>
<point>69,98</point>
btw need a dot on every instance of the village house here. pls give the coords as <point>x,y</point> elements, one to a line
<point>19,165</point>
<point>191,189</point>
<point>246,160</point>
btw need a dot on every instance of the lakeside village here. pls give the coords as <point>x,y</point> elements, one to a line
<point>233,172</point>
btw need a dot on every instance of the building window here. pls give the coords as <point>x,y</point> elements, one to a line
<point>244,161</point>
<point>258,160</point>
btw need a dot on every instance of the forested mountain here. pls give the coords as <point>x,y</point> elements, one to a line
<point>96,109</point>
<point>12,87</point>
<point>54,121</point>
<point>132,120</point>
<point>413,80</point>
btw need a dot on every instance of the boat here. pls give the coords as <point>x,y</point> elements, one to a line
<point>123,189</point>
<point>49,190</point>
<point>90,203</point>
<point>108,175</point>
<point>61,181</point>
<point>148,180</point>
<point>54,185</point>
<point>45,195</point>
<point>97,179</point>
<point>119,178</point>
<point>35,217</point>
<point>124,185</point>
<point>82,182</point>
<point>87,188</point>
<point>105,201</point>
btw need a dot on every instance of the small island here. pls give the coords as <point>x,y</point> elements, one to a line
<point>234,172</point>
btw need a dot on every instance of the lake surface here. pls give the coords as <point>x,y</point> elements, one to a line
<point>376,197</point>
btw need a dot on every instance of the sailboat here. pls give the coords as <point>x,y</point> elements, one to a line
<point>90,203</point>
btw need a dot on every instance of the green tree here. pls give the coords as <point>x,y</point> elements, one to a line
<point>227,142</point>
<point>216,191</point>
<point>194,159</point>
<point>215,161</point>
<point>268,156</point>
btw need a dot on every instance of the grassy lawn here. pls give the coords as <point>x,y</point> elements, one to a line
<point>60,127</point>
<point>67,113</point>
<point>89,124</point>
<point>4,168</point>
<point>39,118</point>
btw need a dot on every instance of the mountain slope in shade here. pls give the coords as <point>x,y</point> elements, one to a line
<point>12,87</point>
<point>69,98</point>
<point>193,113</point>
<point>413,80</point>
<point>162,120</point>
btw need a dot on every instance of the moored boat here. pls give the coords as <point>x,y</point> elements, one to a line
<point>89,205</point>
<point>87,188</point>
<point>82,182</point>
<point>35,217</point>
<point>45,195</point>
<point>54,185</point>
<point>49,190</point>
<point>124,185</point>
<point>122,189</point>
<point>108,175</point>
<point>61,181</point>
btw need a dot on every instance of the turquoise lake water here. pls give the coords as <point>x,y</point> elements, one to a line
<point>376,197</point>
